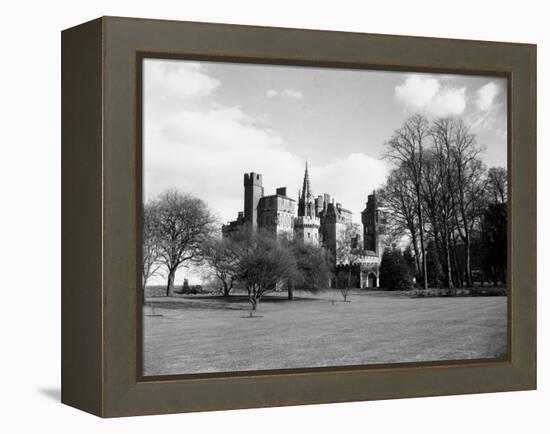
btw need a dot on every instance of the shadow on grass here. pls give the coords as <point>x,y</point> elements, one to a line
<point>219,302</point>
<point>194,305</point>
<point>244,298</point>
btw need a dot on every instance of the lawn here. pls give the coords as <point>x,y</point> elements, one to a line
<point>195,334</point>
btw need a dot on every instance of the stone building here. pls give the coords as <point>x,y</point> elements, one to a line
<point>334,221</point>
<point>319,221</point>
<point>276,214</point>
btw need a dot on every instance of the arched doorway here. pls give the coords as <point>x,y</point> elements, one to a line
<point>371,280</point>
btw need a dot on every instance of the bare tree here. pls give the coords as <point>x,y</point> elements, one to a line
<point>497,184</point>
<point>150,251</point>
<point>348,254</point>
<point>442,133</point>
<point>221,256</point>
<point>406,148</point>
<point>431,203</point>
<point>468,188</point>
<point>182,224</point>
<point>262,264</point>
<point>399,195</point>
<point>439,175</point>
<point>494,226</point>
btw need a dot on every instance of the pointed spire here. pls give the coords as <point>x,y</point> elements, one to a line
<point>306,202</point>
<point>306,189</point>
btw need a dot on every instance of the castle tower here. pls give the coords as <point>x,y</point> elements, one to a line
<point>276,214</point>
<point>334,221</point>
<point>253,192</point>
<point>373,218</point>
<point>306,225</point>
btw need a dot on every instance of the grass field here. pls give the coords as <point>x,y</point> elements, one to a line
<point>195,334</point>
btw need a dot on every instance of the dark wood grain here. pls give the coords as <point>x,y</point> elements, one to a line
<point>81,213</point>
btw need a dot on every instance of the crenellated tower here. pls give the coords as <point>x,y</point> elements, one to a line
<point>253,192</point>
<point>374,219</point>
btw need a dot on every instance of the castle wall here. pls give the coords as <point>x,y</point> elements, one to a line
<point>332,232</point>
<point>276,215</point>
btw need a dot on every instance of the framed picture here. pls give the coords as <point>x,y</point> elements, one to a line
<point>259,217</point>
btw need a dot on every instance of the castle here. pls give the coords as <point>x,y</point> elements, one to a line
<point>318,221</point>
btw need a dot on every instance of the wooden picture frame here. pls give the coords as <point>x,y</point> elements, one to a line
<point>101,204</point>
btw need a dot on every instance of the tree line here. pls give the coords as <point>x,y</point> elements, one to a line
<point>180,230</point>
<point>450,206</point>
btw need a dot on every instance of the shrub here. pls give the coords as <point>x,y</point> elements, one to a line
<point>312,270</point>
<point>395,272</point>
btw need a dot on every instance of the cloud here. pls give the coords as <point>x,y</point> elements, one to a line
<point>207,152</point>
<point>489,109</point>
<point>486,95</point>
<point>223,129</point>
<point>293,94</point>
<point>176,79</point>
<point>286,93</point>
<point>416,91</point>
<point>349,180</point>
<point>426,94</point>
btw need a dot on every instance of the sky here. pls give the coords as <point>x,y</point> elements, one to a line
<point>207,123</point>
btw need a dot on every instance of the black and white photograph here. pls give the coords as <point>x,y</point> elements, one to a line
<point>304,217</point>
